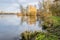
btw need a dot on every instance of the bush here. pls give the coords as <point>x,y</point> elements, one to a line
<point>38,36</point>
<point>29,35</point>
<point>44,36</point>
<point>54,27</point>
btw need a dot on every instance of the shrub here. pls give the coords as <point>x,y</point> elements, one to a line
<point>44,36</point>
<point>27,35</point>
<point>54,27</point>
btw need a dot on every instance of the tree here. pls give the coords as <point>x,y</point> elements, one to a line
<point>55,8</point>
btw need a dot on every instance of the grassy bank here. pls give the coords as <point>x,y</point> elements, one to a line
<point>37,36</point>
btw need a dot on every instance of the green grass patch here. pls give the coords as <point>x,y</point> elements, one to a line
<point>45,36</point>
<point>56,20</point>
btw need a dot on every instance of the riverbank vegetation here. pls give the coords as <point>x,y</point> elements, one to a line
<point>38,36</point>
<point>50,15</point>
<point>52,25</point>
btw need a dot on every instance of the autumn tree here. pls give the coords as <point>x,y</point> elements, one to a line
<point>55,8</point>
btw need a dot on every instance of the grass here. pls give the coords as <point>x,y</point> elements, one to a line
<point>56,20</point>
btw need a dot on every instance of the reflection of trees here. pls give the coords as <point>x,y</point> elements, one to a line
<point>33,14</point>
<point>23,14</point>
<point>22,11</point>
<point>28,14</point>
<point>1,16</point>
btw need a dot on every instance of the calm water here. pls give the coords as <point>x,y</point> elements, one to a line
<point>10,27</point>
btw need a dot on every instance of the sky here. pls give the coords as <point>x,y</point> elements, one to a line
<point>13,5</point>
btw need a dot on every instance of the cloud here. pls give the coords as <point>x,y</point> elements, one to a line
<point>7,1</point>
<point>21,0</point>
<point>34,3</point>
<point>12,8</point>
<point>27,1</point>
<point>13,5</point>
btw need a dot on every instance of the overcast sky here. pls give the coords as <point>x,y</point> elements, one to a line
<point>13,5</point>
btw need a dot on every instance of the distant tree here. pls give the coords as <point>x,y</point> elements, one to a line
<point>22,11</point>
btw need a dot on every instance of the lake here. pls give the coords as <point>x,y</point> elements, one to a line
<point>10,27</point>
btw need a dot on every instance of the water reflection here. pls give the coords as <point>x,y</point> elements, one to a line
<point>10,27</point>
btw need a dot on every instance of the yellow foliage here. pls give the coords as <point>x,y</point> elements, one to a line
<point>32,14</point>
<point>32,9</point>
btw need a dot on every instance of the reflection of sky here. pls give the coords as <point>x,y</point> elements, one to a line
<point>10,26</point>
<point>13,5</point>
